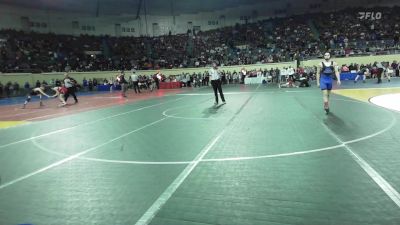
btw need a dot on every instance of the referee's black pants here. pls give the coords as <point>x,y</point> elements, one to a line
<point>379,75</point>
<point>136,86</point>
<point>216,84</point>
<point>71,91</point>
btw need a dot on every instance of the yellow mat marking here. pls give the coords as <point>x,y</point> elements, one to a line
<point>365,93</point>
<point>7,124</point>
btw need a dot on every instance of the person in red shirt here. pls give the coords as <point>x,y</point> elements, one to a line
<point>60,92</point>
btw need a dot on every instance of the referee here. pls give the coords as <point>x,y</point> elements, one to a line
<point>381,69</point>
<point>216,83</point>
<point>70,84</point>
<point>135,81</point>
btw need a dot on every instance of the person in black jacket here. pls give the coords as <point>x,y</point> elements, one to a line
<point>70,83</point>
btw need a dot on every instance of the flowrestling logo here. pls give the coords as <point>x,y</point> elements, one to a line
<point>369,15</point>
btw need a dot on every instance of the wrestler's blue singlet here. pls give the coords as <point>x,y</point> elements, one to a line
<point>326,78</point>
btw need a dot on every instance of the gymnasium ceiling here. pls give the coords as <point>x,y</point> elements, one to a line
<point>117,7</point>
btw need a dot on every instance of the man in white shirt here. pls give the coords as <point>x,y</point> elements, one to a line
<point>135,81</point>
<point>244,74</point>
<point>290,71</point>
<point>188,84</point>
<point>283,75</point>
<point>70,84</point>
<point>216,83</point>
<point>157,79</point>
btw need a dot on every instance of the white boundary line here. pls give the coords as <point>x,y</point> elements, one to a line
<point>233,158</point>
<point>307,151</point>
<point>164,197</point>
<point>379,180</point>
<point>89,109</point>
<point>110,160</point>
<point>75,156</point>
<point>185,118</point>
<point>83,124</point>
<point>393,122</point>
<point>273,156</point>
<point>382,183</point>
<point>164,113</point>
<point>150,213</point>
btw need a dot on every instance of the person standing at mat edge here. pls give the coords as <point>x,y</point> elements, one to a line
<point>70,84</point>
<point>135,81</point>
<point>326,70</point>
<point>124,84</point>
<point>216,83</point>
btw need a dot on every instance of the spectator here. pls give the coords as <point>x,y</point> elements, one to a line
<point>1,90</point>
<point>85,83</point>
<point>90,85</point>
<point>27,85</point>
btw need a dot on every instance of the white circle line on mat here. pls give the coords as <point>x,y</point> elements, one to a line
<point>393,122</point>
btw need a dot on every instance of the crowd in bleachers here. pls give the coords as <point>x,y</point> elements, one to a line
<point>200,79</point>
<point>268,41</point>
<point>347,34</point>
